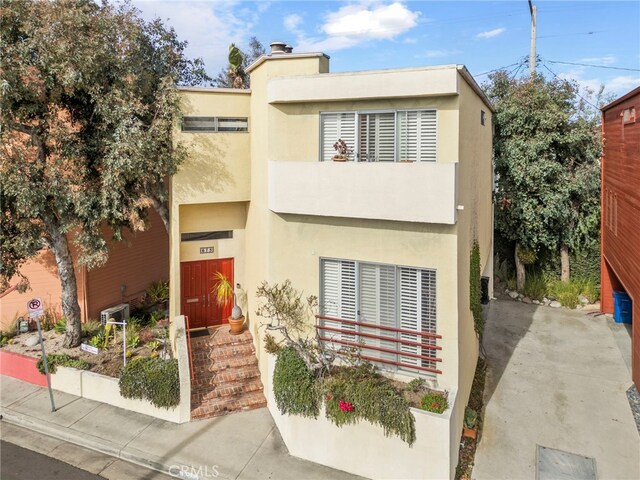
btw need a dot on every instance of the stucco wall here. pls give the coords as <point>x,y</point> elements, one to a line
<point>217,169</point>
<point>475,221</point>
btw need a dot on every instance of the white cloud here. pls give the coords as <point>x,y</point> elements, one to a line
<point>439,53</point>
<point>356,23</point>
<point>606,60</point>
<point>209,27</point>
<point>622,84</point>
<point>292,23</point>
<point>491,33</point>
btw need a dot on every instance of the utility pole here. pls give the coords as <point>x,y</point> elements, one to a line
<point>532,53</point>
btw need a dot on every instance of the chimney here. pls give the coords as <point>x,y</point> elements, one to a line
<point>278,47</point>
<point>288,49</point>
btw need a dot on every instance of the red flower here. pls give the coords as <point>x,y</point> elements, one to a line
<point>345,406</point>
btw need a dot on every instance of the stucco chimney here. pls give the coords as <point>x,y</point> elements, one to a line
<point>278,47</point>
<point>288,49</point>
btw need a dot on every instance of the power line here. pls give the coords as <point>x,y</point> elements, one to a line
<point>595,66</point>
<point>577,93</point>
<point>498,69</point>
<point>572,34</point>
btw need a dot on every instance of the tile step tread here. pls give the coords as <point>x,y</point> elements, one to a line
<point>227,391</point>
<point>217,407</point>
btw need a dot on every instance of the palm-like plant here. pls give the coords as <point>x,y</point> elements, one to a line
<point>222,289</point>
<point>236,69</point>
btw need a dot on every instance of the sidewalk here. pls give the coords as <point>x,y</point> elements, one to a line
<point>557,378</point>
<point>244,445</point>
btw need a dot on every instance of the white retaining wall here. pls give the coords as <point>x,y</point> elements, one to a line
<point>362,449</point>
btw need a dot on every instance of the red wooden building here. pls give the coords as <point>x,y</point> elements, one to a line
<point>620,224</point>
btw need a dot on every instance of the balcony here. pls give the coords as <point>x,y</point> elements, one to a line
<point>423,192</point>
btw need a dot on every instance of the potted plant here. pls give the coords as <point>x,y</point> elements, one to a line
<point>470,421</point>
<point>343,151</point>
<point>225,294</point>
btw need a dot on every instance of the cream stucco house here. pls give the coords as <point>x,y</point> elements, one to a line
<point>382,239</point>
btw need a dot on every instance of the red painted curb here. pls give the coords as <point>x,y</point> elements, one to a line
<point>21,367</point>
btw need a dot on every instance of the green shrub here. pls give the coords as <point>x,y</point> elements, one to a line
<point>91,328</point>
<point>416,384</point>
<point>61,326</point>
<point>153,379</point>
<point>436,402</point>
<point>567,293</point>
<point>354,393</point>
<point>62,359</point>
<point>475,292</point>
<point>294,386</point>
<point>535,286</point>
<point>158,292</point>
<point>511,283</point>
<point>470,417</point>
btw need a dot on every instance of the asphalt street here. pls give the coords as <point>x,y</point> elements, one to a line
<point>17,463</point>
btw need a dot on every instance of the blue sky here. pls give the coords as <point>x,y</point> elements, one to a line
<point>369,34</point>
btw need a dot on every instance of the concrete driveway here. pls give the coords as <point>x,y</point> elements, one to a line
<point>557,379</point>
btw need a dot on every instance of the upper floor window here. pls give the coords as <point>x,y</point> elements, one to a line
<point>381,136</point>
<point>629,115</point>
<point>215,124</point>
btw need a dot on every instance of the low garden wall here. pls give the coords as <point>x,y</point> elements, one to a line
<point>101,388</point>
<point>362,449</point>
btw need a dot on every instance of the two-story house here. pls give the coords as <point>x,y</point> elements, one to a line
<point>383,239</point>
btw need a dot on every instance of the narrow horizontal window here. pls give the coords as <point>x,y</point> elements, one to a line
<point>197,236</point>
<point>215,124</point>
<point>235,124</point>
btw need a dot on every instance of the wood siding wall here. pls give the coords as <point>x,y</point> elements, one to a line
<point>136,262</point>
<point>621,211</point>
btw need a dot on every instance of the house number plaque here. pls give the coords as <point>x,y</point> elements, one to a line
<point>206,249</point>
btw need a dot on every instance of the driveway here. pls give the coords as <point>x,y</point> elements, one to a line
<point>557,379</point>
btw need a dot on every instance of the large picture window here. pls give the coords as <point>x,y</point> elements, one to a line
<point>381,295</point>
<point>385,136</point>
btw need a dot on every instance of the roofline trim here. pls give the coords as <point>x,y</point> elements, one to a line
<point>626,96</point>
<point>283,56</point>
<point>245,91</point>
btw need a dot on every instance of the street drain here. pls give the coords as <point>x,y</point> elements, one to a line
<point>558,465</point>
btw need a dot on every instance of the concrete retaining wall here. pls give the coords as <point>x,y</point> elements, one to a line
<point>87,385</point>
<point>362,449</point>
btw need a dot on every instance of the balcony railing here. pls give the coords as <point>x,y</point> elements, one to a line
<point>359,339</point>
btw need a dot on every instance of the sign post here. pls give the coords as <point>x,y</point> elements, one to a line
<point>36,310</point>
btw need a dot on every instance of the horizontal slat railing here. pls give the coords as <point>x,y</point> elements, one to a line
<point>324,330</point>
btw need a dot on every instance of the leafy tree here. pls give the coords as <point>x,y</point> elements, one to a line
<point>234,75</point>
<point>87,110</point>
<point>546,152</point>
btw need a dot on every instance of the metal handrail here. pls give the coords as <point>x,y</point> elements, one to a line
<point>186,321</point>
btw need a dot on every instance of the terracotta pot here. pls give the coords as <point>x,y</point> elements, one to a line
<point>236,326</point>
<point>469,432</point>
<point>339,158</point>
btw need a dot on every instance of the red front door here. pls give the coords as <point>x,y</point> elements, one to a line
<point>198,301</point>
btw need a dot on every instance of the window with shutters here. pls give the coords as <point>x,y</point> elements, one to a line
<point>215,124</point>
<point>388,136</point>
<point>382,295</point>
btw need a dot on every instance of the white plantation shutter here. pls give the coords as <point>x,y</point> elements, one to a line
<point>378,306</point>
<point>417,135</point>
<point>409,312</point>
<point>377,136</point>
<point>333,127</point>
<point>338,296</point>
<point>383,295</point>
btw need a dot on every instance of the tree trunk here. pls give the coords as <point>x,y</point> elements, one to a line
<point>162,210</point>
<point>69,294</point>
<point>565,274</point>
<point>520,272</point>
